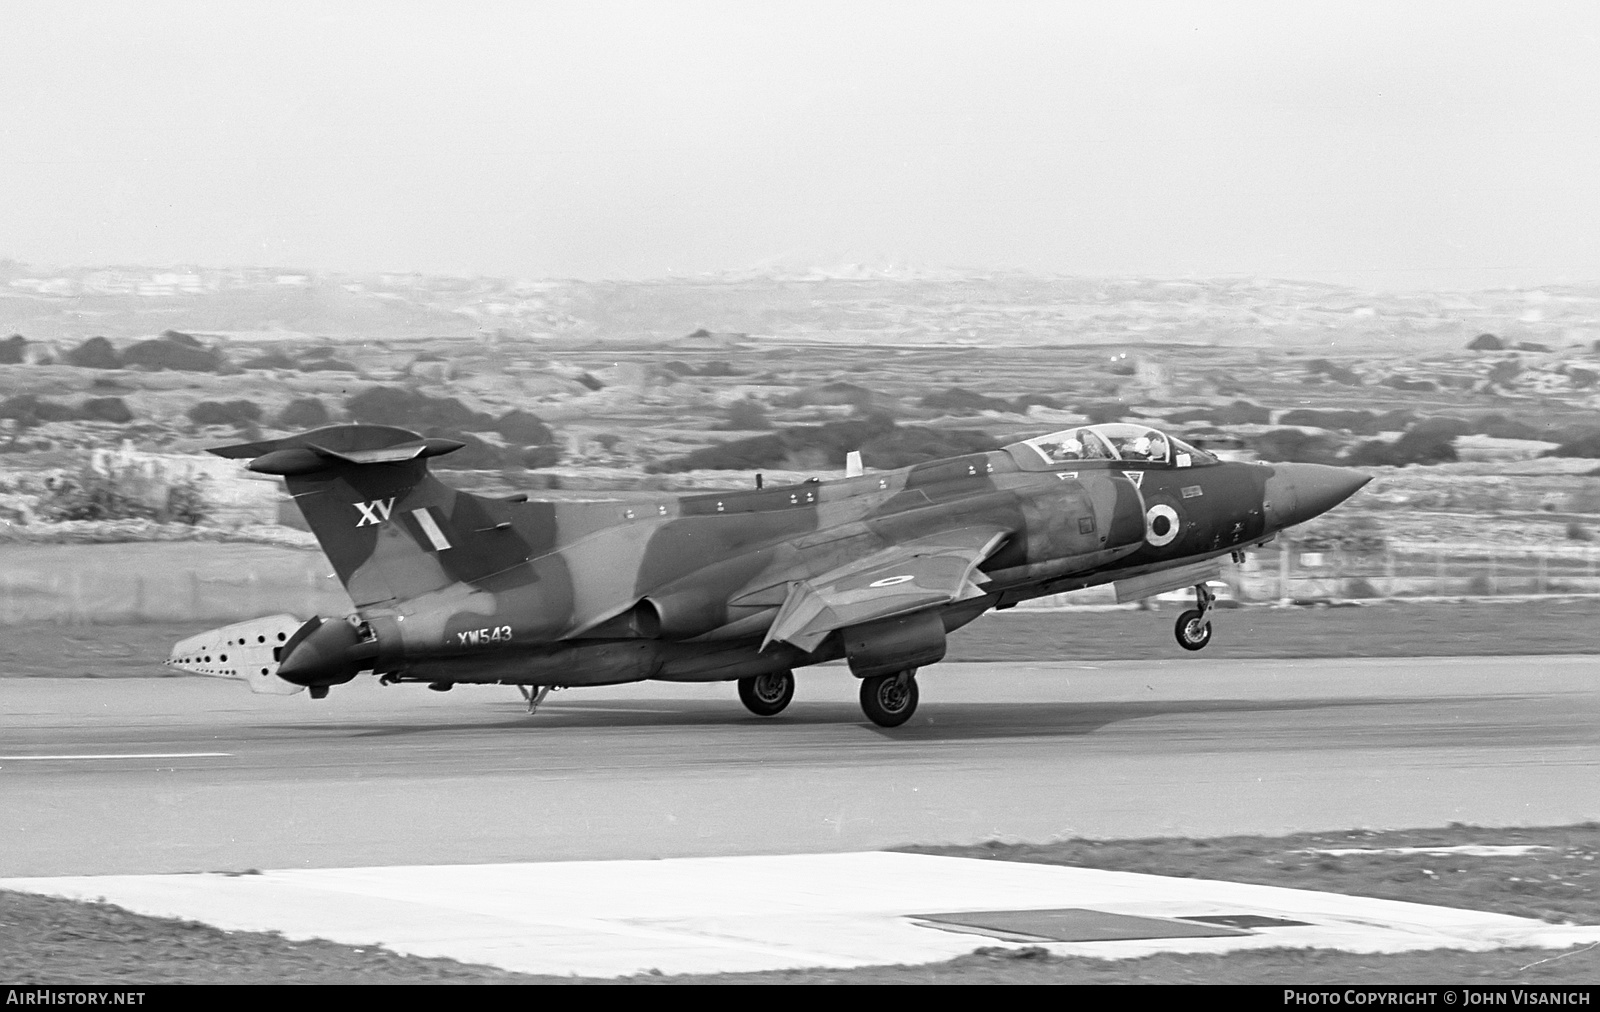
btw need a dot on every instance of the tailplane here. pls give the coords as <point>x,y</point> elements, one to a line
<point>390,528</point>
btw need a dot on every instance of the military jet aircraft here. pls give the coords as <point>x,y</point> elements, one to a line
<point>745,585</point>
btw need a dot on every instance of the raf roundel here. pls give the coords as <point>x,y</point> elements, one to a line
<point>1161,525</point>
<point>891,581</point>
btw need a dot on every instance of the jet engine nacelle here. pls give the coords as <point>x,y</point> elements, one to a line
<point>894,644</point>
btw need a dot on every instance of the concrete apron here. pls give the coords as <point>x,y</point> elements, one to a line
<point>732,914</point>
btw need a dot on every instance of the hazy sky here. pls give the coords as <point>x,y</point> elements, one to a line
<point>1386,144</point>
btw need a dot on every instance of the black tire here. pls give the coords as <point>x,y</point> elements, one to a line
<point>885,702</point>
<point>1191,632</point>
<point>767,695</point>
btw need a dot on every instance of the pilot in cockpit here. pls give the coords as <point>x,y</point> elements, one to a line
<point>1150,446</point>
<point>1070,448</point>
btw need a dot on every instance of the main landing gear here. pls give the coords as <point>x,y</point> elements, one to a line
<point>767,695</point>
<point>890,700</point>
<point>1194,627</point>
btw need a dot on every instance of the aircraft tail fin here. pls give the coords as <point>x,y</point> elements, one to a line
<point>390,528</point>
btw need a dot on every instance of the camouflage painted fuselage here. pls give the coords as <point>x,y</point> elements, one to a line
<point>455,587</point>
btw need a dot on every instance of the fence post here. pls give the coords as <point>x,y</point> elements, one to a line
<point>1388,572</point>
<point>1539,575</point>
<point>1284,548</point>
<point>1494,577</point>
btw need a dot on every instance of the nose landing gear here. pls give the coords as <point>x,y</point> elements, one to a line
<point>1194,627</point>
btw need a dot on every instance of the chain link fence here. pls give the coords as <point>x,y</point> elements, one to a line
<point>1288,573</point>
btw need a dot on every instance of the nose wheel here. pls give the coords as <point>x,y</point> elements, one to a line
<point>890,700</point>
<point>1194,626</point>
<point>767,695</point>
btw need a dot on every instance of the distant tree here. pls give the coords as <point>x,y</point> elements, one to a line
<point>1241,413</point>
<point>913,444</point>
<point>1504,371</point>
<point>1105,411</point>
<point>1578,444</point>
<point>29,410</point>
<point>1443,425</point>
<point>105,409</point>
<point>535,457</point>
<point>717,367</point>
<point>393,406</point>
<point>737,455</point>
<point>1361,422</point>
<point>746,414</point>
<point>833,392</point>
<point>836,439</point>
<point>93,496</point>
<point>272,360</point>
<point>305,413</point>
<point>1334,371</point>
<point>240,413</point>
<point>177,355</point>
<point>523,428</point>
<point>179,337</point>
<point>1294,446</point>
<point>1486,342</point>
<point>1423,448</point>
<point>95,353</point>
<point>1394,421</point>
<point>1501,427</point>
<point>11,349</point>
<point>957,400</point>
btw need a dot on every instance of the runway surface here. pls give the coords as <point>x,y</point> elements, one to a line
<point>194,774</point>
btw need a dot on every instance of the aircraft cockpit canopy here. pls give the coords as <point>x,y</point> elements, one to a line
<point>1116,441</point>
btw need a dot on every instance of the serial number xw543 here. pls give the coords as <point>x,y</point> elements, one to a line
<point>484,637</point>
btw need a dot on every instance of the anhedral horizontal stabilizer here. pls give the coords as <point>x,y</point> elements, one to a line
<point>335,445</point>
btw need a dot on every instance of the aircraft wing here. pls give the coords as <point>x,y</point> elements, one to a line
<point>924,572</point>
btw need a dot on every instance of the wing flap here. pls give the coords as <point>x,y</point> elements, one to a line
<point>923,573</point>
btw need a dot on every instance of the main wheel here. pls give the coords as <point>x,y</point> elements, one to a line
<point>765,695</point>
<point>889,700</point>
<point>1192,631</point>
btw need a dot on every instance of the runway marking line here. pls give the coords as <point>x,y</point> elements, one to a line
<point>128,755</point>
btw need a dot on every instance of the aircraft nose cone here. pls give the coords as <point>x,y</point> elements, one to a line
<point>1297,492</point>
